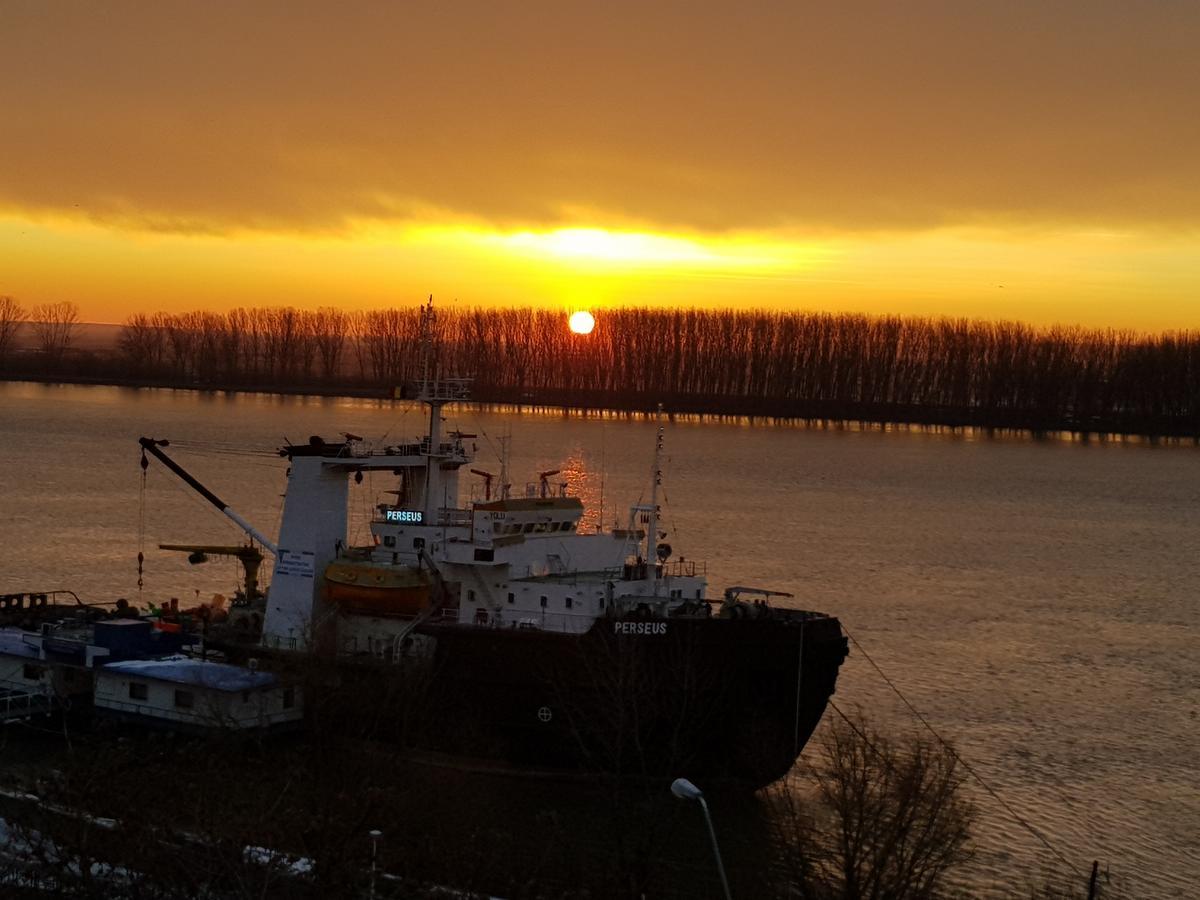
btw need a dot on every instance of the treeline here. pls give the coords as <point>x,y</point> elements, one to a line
<point>776,364</point>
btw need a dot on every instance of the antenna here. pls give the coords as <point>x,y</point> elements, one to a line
<point>427,321</point>
<point>655,483</point>
<point>505,443</point>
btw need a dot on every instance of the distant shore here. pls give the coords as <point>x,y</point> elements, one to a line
<point>698,406</point>
<point>761,365</point>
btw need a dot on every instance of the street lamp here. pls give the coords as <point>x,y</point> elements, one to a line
<point>685,790</point>
<point>375,834</point>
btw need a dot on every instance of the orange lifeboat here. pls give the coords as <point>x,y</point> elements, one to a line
<point>366,589</point>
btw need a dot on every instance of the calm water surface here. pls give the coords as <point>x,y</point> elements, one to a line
<point>1035,599</point>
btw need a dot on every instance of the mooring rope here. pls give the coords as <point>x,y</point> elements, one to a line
<point>957,757</point>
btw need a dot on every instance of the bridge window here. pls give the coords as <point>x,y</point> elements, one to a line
<point>185,699</point>
<point>568,526</point>
<point>529,528</point>
<point>137,691</point>
<point>32,672</point>
<point>389,540</point>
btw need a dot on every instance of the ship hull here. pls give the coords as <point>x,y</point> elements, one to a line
<point>703,697</point>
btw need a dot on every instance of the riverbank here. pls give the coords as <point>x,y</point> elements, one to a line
<point>701,407</point>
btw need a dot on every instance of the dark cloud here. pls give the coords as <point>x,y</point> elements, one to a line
<point>207,117</point>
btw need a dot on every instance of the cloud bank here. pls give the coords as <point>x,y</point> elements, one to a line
<point>713,117</point>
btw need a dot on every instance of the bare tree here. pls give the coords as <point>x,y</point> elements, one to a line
<point>142,343</point>
<point>873,817</point>
<point>54,326</point>
<point>330,325</point>
<point>11,316</point>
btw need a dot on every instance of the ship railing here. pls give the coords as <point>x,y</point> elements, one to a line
<point>23,704</point>
<point>676,568</point>
<point>453,516</point>
<point>570,622</point>
<point>445,516</point>
<point>446,389</point>
<point>685,568</point>
<point>445,448</point>
<point>412,449</point>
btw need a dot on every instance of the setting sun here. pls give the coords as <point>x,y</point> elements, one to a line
<point>582,322</point>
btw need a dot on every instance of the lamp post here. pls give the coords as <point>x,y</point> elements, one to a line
<point>375,834</point>
<point>685,790</point>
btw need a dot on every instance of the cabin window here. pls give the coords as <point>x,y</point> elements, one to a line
<point>389,540</point>
<point>470,596</point>
<point>569,603</point>
<point>32,672</point>
<point>545,601</point>
<point>512,598</point>
<point>698,593</point>
<point>185,699</point>
<point>289,698</point>
<point>602,603</point>
<point>137,691</point>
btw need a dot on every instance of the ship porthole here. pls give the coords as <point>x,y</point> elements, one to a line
<point>545,714</point>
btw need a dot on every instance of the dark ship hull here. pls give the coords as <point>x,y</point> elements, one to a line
<point>709,698</point>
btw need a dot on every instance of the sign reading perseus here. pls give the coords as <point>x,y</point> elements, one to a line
<point>407,516</point>
<point>640,627</point>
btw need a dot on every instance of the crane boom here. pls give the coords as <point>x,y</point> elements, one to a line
<point>151,446</point>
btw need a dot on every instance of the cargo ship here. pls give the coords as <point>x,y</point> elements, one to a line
<point>534,642</point>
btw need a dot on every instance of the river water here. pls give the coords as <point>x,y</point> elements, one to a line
<point>1034,599</point>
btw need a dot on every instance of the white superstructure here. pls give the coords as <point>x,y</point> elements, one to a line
<point>512,562</point>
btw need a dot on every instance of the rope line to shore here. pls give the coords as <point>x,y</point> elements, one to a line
<point>950,749</point>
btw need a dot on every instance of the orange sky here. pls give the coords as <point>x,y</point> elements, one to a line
<point>1032,161</point>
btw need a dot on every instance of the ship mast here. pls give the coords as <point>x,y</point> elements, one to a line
<point>655,483</point>
<point>505,441</point>
<point>436,392</point>
<point>430,395</point>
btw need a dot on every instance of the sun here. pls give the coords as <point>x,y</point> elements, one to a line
<point>582,322</point>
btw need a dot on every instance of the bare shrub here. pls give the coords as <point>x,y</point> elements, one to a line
<point>873,817</point>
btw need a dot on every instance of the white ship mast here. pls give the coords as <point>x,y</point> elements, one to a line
<point>652,526</point>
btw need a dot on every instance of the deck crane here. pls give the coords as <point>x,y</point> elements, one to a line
<point>248,555</point>
<point>151,446</point>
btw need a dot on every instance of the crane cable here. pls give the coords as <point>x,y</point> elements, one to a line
<point>1024,823</point>
<point>141,556</point>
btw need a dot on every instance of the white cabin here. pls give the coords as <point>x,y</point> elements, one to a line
<point>196,694</point>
